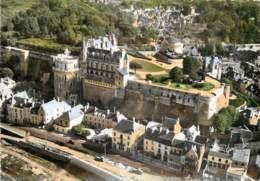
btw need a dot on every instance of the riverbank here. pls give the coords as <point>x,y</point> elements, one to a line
<point>17,164</point>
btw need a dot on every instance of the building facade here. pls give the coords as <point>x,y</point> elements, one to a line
<point>52,110</point>
<point>104,68</point>
<point>69,119</point>
<point>102,119</point>
<point>126,135</point>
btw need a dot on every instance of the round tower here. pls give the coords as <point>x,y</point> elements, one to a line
<point>66,77</point>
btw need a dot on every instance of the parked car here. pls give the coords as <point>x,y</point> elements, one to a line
<point>71,142</point>
<point>98,158</point>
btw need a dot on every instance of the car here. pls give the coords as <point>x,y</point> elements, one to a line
<point>71,142</point>
<point>98,158</point>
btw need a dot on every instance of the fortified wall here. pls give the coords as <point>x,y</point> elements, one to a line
<point>23,57</point>
<point>145,100</point>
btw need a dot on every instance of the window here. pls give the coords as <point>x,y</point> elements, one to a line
<point>219,160</point>
<point>226,161</point>
<point>114,133</point>
<point>213,158</point>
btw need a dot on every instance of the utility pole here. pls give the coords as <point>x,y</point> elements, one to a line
<point>105,149</point>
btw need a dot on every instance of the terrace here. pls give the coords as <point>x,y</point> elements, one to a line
<point>159,77</point>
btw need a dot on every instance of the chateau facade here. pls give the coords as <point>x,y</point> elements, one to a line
<point>104,68</point>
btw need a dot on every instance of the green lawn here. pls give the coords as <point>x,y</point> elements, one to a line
<point>148,67</point>
<point>164,80</point>
<point>47,44</point>
<point>203,86</point>
<point>237,102</point>
<point>180,86</point>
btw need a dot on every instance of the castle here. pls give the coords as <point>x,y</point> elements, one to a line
<point>101,74</point>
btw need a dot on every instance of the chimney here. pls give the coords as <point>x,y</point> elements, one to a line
<point>95,108</point>
<point>108,111</point>
<point>134,119</point>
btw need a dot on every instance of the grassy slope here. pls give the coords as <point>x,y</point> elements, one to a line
<point>47,44</point>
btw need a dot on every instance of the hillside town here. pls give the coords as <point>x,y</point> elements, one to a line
<point>186,108</point>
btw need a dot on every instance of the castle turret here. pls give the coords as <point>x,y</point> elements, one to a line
<point>66,76</point>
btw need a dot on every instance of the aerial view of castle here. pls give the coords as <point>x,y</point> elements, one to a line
<point>130,90</point>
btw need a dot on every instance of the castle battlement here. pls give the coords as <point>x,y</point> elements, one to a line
<point>65,62</point>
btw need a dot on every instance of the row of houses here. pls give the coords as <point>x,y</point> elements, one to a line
<point>57,113</point>
<point>184,150</point>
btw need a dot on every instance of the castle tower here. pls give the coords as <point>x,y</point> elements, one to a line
<point>66,77</point>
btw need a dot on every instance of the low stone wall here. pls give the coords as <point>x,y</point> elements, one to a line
<point>104,174</point>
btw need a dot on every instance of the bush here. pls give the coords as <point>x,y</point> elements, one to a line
<point>80,130</point>
<point>176,74</point>
<point>237,102</point>
<point>204,86</point>
<point>149,76</point>
<point>6,72</point>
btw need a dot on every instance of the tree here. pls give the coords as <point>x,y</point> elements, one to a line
<point>135,66</point>
<point>13,62</point>
<point>225,118</point>
<point>68,37</point>
<point>191,66</point>
<point>186,10</point>
<point>80,130</point>
<point>149,76</point>
<point>148,34</point>
<point>30,26</point>
<point>208,50</point>
<point>6,72</point>
<point>176,74</point>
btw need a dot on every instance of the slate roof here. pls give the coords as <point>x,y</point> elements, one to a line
<point>5,90</point>
<point>74,113</point>
<point>169,122</point>
<point>123,71</point>
<point>54,105</point>
<point>219,154</point>
<point>127,126</point>
<point>201,139</point>
<point>241,155</point>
